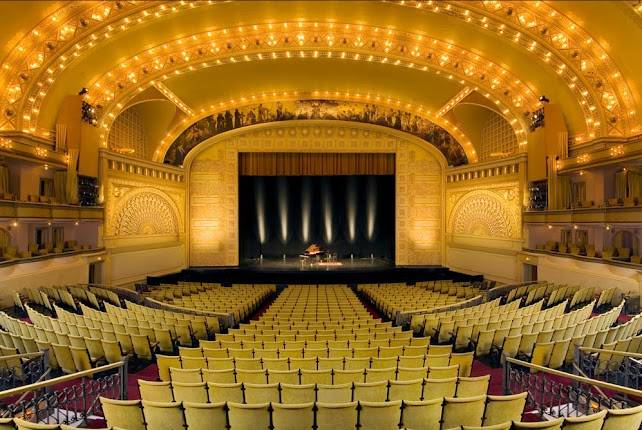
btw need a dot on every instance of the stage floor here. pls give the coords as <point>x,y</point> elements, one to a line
<point>291,271</point>
<point>296,264</point>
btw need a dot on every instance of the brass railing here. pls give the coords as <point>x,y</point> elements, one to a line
<point>66,399</point>
<point>553,393</point>
<point>617,367</point>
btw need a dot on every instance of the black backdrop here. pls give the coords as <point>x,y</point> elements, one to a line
<point>342,214</point>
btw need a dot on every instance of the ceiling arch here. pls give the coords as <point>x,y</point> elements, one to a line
<point>545,46</point>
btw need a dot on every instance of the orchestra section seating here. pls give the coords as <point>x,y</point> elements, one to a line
<point>317,357</point>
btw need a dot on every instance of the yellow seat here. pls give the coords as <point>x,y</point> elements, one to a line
<point>291,393</point>
<point>155,391</point>
<point>587,422</point>
<point>283,376</point>
<point>113,353</point>
<point>163,415</point>
<point>261,393</point>
<point>205,416</point>
<point>220,363</point>
<point>249,417</point>
<point>500,409</point>
<point>299,416</point>
<point>165,340</point>
<point>194,392</point>
<point>380,415</point>
<point>220,376</point>
<point>345,376</point>
<point>194,362</point>
<point>316,376</point>
<point>545,425</point>
<point>438,388</point>
<point>125,341</point>
<point>126,414</point>
<point>81,358</point>
<point>374,375</point>
<point>473,386</point>
<point>185,375</point>
<point>619,419</point>
<point>142,347</point>
<point>443,372</point>
<point>64,358</point>
<point>334,393</point>
<point>462,411</point>
<point>406,390</point>
<point>370,391</point>
<point>422,415</point>
<point>336,416</point>
<point>251,376</point>
<point>225,392</point>
<point>464,360</point>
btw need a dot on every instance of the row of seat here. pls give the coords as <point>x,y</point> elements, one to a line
<point>548,318</point>
<point>436,414</point>
<point>463,360</point>
<point>304,349</point>
<point>283,392</point>
<point>239,300</point>
<point>574,325</point>
<point>293,375</point>
<point>484,310</point>
<point>376,340</point>
<point>391,299</point>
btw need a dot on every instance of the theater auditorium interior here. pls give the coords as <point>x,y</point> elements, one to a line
<point>313,215</point>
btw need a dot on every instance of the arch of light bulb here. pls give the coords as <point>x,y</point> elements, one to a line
<point>186,62</point>
<point>539,28</point>
<point>516,121</point>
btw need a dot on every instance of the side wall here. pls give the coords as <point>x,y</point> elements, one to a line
<point>483,219</point>
<point>144,231</point>
<point>73,269</point>
<point>571,271</point>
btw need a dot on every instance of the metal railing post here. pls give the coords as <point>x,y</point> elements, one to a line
<point>122,376</point>
<point>505,377</point>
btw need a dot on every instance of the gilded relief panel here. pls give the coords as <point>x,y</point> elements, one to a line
<point>213,188</point>
<point>137,206</point>
<point>485,209</point>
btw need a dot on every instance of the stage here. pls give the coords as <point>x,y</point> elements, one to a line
<point>292,271</point>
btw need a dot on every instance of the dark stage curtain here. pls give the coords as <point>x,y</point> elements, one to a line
<point>315,164</point>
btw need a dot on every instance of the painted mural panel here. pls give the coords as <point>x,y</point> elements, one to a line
<point>315,109</point>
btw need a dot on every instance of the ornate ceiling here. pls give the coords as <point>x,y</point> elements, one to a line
<point>428,56</point>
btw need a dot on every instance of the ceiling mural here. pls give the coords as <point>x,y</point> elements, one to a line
<point>230,119</point>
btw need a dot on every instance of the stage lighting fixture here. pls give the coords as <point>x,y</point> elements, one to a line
<point>283,208</point>
<point>371,208</point>
<point>259,201</point>
<point>327,212</point>
<point>351,208</point>
<point>544,99</point>
<point>306,209</point>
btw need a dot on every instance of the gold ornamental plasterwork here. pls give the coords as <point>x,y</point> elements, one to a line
<point>487,209</point>
<point>142,208</point>
<point>213,186</point>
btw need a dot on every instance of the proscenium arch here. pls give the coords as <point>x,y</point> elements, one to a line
<point>420,238</point>
<point>300,109</point>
